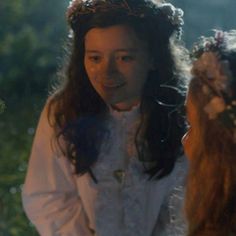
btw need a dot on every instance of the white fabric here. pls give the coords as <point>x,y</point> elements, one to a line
<point>60,203</point>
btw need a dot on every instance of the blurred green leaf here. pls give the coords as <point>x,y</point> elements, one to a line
<point>32,34</point>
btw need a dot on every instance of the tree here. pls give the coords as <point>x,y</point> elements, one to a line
<point>32,34</point>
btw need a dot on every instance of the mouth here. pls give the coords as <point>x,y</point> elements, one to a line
<point>112,85</point>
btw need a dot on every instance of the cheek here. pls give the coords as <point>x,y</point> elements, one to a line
<point>142,69</point>
<point>90,70</point>
<point>135,75</point>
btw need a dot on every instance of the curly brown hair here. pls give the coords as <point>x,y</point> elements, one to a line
<point>210,195</point>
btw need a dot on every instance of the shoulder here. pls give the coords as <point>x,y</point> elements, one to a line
<point>47,116</point>
<point>45,131</point>
<point>43,118</point>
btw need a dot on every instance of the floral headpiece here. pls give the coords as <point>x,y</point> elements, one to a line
<point>216,78</point>
<point>78,8</point>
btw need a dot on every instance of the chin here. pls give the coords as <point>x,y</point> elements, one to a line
<point>125,106</point>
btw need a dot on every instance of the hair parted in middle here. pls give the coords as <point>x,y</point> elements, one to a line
<point>79,111</point>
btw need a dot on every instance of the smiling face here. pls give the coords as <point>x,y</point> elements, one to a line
<point>117,63</point>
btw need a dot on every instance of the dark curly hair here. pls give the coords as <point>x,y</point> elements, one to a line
<point>79,113</point>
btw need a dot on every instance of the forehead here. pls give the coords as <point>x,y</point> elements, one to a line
<point>114,37</point>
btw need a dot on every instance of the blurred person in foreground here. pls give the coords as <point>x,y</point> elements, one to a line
<point>210,142</point>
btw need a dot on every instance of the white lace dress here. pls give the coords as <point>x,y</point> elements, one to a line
<point>124,202</point>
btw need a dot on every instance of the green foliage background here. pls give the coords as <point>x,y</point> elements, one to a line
<point>32,33</point>
<point>32,36</point>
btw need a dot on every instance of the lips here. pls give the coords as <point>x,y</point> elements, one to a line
<point>112,85</point>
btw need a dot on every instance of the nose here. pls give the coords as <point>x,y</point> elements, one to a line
<point>109,67</point>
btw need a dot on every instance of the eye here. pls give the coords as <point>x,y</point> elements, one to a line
<point>125,58</point>
<point>94,58</point>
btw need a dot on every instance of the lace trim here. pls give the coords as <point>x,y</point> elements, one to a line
<point>177,225</point>
<point>120,206</point>
<point>118,210</point>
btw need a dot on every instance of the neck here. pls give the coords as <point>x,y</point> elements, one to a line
<point>125,106</point>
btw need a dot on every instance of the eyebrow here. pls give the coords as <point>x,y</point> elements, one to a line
<point>133,50</point>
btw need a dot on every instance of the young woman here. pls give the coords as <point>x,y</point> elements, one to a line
<point>210,142</point>
<point>106,158</point>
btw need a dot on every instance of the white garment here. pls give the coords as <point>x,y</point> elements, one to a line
<point>60,203</point>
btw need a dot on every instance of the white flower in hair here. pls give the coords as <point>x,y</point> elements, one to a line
<point>214,107</point>
<point>208,66</point>
<point>215,76</point>
<point>231,40</point>
<point>175,15</point>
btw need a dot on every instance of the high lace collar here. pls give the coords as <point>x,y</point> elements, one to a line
<point>128,115</point>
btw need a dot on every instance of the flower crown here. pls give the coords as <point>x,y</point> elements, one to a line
<point>216,78</point>
<point>78,8</point>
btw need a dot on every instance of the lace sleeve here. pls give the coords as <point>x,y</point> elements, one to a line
<point>171,221</point>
